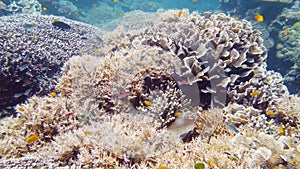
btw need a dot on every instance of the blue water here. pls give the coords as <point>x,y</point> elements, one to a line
<point>84,6</point>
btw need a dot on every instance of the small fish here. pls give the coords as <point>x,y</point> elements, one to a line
<point>32,139</point>
<point>20,109</point>
<point>147,103</point>
<point>281,129</point>
<point>180,13</point>
<point>286,32</point>
<point>69,114</point>
<point>96,50</point>
<point>88,133</point>
<point>26,83</point>
<point>236,18</point>
<point>36,38</point>
<point>232,128</point>
<point>17,95</point>
<point>184,82</point>
<point>55,20</point>
<point>194,0</point>
<point>61,25</point>
<point>259,18</point>
<point>162,167</point>
<point>150,3</point>
<point>254,93</point>
<point>44,9</point>
<point>115,1</point>
<point>123,95</point>
<point>270,112</point>
<point>94,5</point>
<point>211,164</point>
<point>177,114</point>
<point>120,15</point>
<point>9,34</point>
<point>52,94</point>
<point>24,66</point>
<point>27,92</point>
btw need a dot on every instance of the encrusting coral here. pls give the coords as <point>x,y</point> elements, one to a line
<point>128,110</point>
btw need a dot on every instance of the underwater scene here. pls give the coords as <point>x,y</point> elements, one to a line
<point>150,84</point>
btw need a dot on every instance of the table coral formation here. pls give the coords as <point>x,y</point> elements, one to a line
<point>128,109</point>
<point>33,49</point>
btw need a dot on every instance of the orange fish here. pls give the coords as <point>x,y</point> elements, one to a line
<point>32,139</point>
<point>259,18</point>
<point>286,31</point>
<point>9,34</point>
<point>194,0</point>
<point>180,13</point>
<point>94,5</point>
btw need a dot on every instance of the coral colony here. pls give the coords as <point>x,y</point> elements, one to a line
<point>33,48</point>
<point>118,99</point>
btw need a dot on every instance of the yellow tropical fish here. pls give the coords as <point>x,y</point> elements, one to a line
<point>259,18</point>
<point>20,109</point>
<point>9,34</point>
<point>55,20</point>
<point>52,94</point>
<point>254,93</point>
<point>32,139</point>
<point>88,133</point>
<point>177,114</point>
<point>180,13</point>
<point>96,50</point>
<point>281,129</point>
<point>36,38</point>
<point>163,167</point>
<point>147,103</point>
<point>211,164</point>
<point>270,112</point>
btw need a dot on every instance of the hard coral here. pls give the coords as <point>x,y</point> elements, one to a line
<point>217,51</point>
<point>33,49</point>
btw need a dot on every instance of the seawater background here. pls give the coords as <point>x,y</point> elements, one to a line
<point>68,7</point>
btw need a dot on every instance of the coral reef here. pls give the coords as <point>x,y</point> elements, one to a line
<point>217,52</point>
<point>286,27</point>
<point>129,109</point>
<point>33,48</point>
<point>25,6</point>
